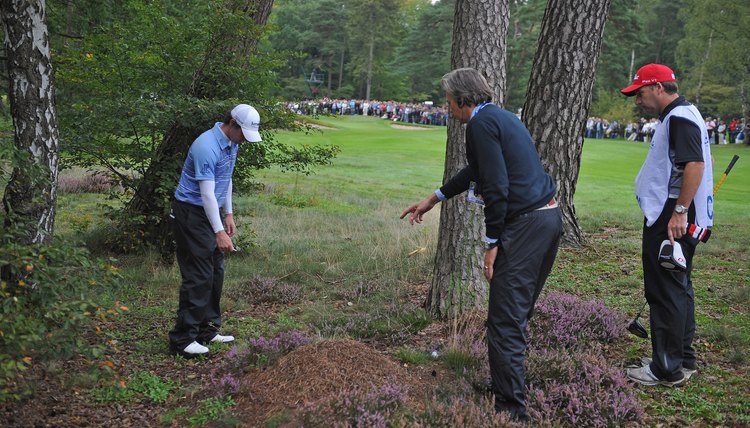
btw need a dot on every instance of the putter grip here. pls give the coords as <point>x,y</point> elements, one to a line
<point>731,164</point>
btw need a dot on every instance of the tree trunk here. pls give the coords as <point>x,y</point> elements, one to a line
<point>330,74</point>
<point>150,203</point>
<point>458,283</point>
<point>31,194</point>
<point>369,68</point>
<point>703,69</point>
<point>744,98</point>
<point>559,95</point>
<point>341,64</point>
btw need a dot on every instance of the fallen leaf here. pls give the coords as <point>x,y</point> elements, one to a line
<point>419,250</point>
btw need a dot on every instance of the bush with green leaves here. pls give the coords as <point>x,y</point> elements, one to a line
<point>148,78</point>
<point>49,295</point>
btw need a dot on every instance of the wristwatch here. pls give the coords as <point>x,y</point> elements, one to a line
<point>680,209</point>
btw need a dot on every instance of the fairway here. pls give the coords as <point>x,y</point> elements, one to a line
<point>400,165</point>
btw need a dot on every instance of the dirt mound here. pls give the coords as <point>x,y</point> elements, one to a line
<point>315,374</point>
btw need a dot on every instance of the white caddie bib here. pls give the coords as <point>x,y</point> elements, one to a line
<point>652,182</point>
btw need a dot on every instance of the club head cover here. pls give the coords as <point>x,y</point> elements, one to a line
<point>699,233</point>
<point>671,257</point>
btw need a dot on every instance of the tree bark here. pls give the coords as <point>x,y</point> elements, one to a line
<point>330,74</point>
<point>369,67</point>
<point>150,203</point>
<point>458,283</point>
<point>31,194</point>
<point>341,65</point>
<point>559,95</point>
<point>703,69</point>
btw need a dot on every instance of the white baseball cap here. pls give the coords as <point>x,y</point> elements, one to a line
<point>249,120</point>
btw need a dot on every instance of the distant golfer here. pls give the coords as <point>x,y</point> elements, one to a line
<point>523,224</point>
<point>201,237</point>
<point>673,188</point>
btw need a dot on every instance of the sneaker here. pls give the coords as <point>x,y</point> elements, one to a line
<point>644,376</point>
<point>646,361</point>
<point>688,373</point>
<point>222,339</point>
<point>195,349</point>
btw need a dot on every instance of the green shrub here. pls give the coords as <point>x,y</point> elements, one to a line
<point>47,304</point>
<point>210,409</point>
<point>141,386</point>
<point>413,356</point>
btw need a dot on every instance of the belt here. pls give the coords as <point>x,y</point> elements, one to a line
<point>551,204</point>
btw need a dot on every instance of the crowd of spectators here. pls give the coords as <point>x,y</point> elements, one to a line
<point>736,131</point>
<point>719,132</point>
<point>423,113</point>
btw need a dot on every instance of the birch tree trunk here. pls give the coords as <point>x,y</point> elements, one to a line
<point>479,30</point>
<point>559,95</point>
<point>703,69</point>
<point>31,194</point>
<point>369,67</point>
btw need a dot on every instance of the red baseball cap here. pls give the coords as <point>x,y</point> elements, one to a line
<point>648,75</point>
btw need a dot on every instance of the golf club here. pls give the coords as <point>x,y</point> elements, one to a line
<point>726,172</point>
<point>635,327</point>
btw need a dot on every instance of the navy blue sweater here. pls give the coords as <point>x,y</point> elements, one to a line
<point>504,163</point>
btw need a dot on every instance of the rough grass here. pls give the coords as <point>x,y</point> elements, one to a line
<point>331,257</point>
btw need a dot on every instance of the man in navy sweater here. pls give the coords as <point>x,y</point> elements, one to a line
<point>523,224</point>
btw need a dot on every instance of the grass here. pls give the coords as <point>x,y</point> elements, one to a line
<point>336,258</point>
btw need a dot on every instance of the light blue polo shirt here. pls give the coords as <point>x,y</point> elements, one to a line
<point>211,157</point>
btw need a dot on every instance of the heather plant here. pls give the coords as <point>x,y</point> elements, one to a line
<point>357,407</point>
<point>358,291</point>
<point>91,183</point>
<point>266,290</point>
<point>263,351</point>
<point>225,385</point>
<point>283,343</point>
<point>564,321</point>
<point>579,388</point>
<point>456,411</point>
<point>394,325</point>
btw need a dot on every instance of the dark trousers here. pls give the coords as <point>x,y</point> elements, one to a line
<point>202,270</point>
<point>525,256</point>
<point>671,300</point>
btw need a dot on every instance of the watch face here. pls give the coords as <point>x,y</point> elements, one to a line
<point>680,209</point>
